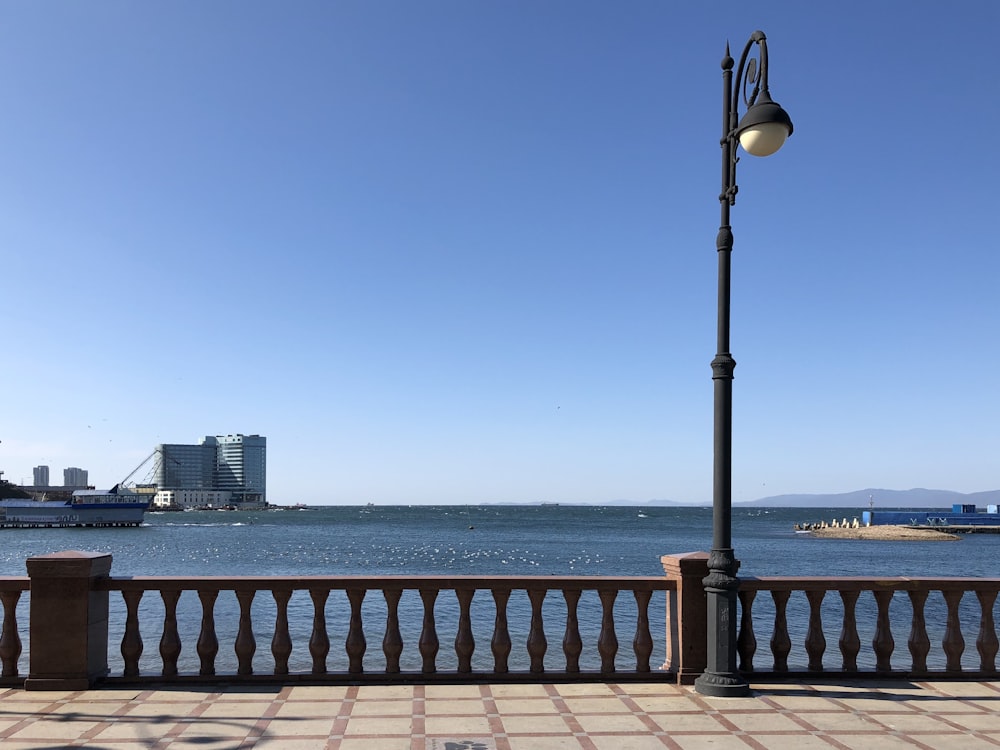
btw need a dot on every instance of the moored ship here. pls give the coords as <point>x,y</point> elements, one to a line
<point>95,508</point>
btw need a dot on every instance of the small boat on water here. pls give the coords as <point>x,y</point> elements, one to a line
<point>95,508</point>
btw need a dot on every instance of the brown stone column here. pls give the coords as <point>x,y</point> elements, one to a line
<point>68,628</point>
<point>687,621</point>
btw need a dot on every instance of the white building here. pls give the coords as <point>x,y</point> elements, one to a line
<point>192,498</point>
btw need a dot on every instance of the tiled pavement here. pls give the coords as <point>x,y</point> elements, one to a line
<point>845,715</point>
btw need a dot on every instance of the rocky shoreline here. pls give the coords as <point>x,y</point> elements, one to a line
<point>884,533</point>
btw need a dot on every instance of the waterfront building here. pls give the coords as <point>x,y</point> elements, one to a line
<point>185,466</point>
<point>192,498</point>
<point>41,474</point>
<point>241,466</point>
<point>234,464</point>
<point>74,477</point>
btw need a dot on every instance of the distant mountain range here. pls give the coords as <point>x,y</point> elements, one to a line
<point>860,499</point>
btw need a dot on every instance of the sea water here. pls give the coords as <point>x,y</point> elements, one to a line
<point>486,540</point>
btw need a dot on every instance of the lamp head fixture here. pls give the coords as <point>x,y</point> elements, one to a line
<point>764,127</point>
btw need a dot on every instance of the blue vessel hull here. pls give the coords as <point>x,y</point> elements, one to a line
<point>23,514</point>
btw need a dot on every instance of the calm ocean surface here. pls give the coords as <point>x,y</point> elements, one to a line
<point>489,539</point>
<point>482,540</point>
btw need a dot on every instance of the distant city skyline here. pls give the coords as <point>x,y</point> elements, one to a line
<point>219,470</point>
<point>450,252</point>
<point>73,476</point>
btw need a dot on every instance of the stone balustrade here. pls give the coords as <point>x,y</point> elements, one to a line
<point>390,588</point>
<point>941,656</point>
<point>80,581</point>
<point>68,596</point>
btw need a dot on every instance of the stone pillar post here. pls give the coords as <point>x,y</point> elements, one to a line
<point>68,621</point>
<point>687,621</point>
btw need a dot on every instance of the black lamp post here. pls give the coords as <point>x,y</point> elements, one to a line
<point>761,132</point>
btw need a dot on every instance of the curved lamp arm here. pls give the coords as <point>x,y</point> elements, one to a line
<point>764,127</point>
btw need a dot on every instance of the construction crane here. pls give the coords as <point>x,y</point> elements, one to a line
<point>160,454</point>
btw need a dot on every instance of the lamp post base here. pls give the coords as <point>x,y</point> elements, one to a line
<point>721,677</point>
<point>722,685</point>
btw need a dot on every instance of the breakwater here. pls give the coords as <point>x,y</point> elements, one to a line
<point>885,533</point>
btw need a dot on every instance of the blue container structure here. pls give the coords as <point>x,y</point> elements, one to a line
<point>961,515</point>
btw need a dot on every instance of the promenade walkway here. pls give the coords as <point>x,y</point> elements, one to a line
<point>839,714</point>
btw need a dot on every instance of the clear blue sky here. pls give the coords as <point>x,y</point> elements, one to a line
<point>451,251</point>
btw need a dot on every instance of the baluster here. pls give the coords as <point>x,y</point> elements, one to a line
<point>953,643</point>
<point>918,643</point>
<point>572,643</point>
<point>537,645</point>
<point>500,643</point>
<point>642,644</point>
<point>170,641</point>
<point>465,644</point>
<point>882,643</point>
<point>281,641</point>
<point>392,642</point>
<point>815,640</point>
<point>781,644</point>
<point>246,645</point>
<point>10,641</point>
<point>132,640</point>
<point>208,644</point>
<point>607,641</point>
<point>428,644</point>
<point>850,643</point>
<point>319,641</point>
<point>986,642</point>
<point>356,644</point>
<point>746,642</point>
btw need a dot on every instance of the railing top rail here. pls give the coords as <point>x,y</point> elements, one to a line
<point>867,583</point>
<point>245,583</point>
<point>15,583</point>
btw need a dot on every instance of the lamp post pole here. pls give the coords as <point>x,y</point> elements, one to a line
<point>761,132</point>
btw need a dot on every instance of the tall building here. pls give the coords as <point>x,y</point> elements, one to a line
<point>74,477</point>
<point>231,464</point>
<point>241,465</point>
<point>181,466</point>
<point>41,476</point>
